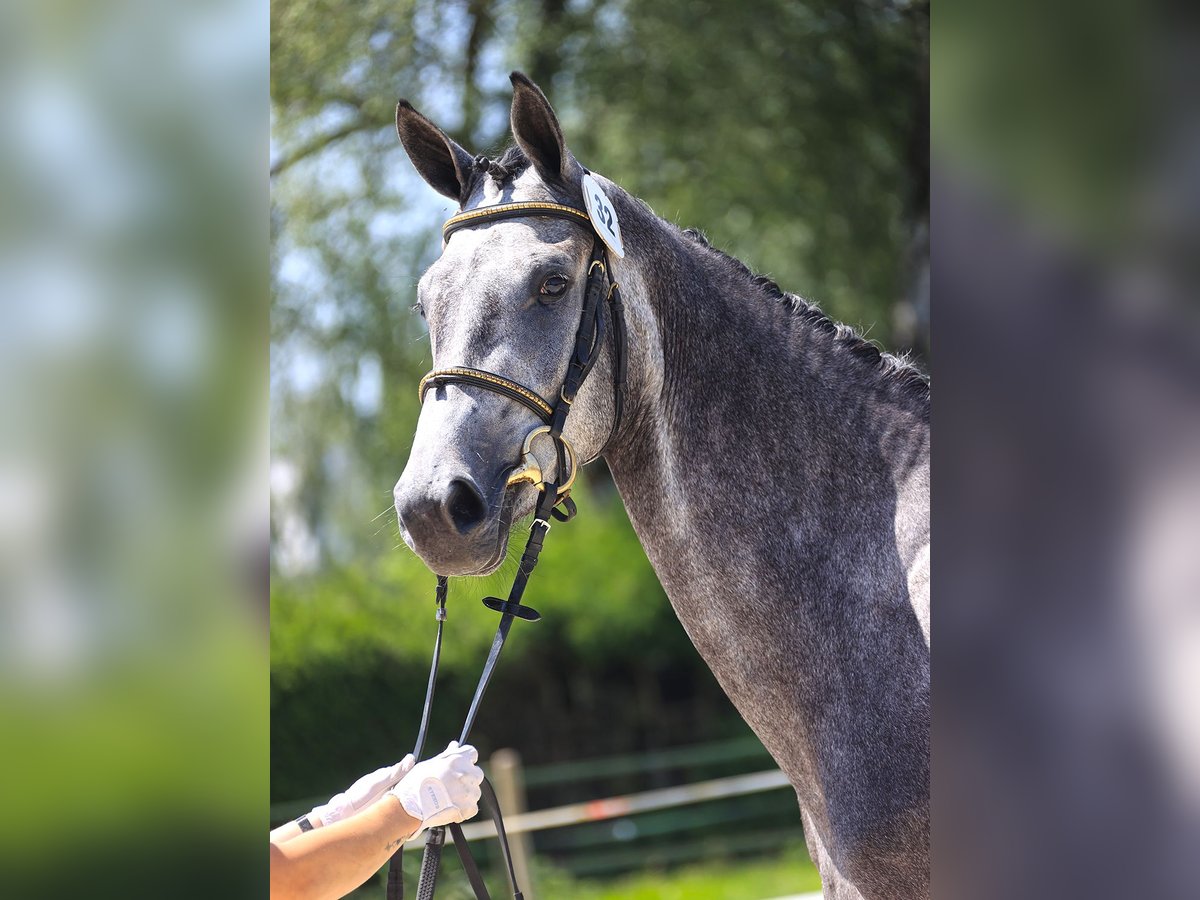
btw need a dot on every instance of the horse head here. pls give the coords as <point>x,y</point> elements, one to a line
<point>505,298</point>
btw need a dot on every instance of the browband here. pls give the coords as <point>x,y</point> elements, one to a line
<point>519,210</point>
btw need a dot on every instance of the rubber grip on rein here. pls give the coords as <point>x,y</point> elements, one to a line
<point>430,863</point>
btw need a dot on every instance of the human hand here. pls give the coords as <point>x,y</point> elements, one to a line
<point>362,793</point>
<point>442,789</point>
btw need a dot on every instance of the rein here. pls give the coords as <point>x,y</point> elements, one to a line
<point>602,309</point>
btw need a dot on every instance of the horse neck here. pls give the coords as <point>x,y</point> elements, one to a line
<point>741,412</point>
<point>779,486</point>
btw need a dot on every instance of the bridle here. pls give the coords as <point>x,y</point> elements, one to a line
<point>602,310</point>
<point>600,295</point>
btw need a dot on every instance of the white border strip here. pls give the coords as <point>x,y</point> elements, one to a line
<point>627,804</point>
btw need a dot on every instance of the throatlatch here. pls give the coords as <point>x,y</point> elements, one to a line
<point>602,308</point>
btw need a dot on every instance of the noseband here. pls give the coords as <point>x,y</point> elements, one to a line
<point>599,294</point>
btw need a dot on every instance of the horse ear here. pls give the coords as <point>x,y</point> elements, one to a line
<point>537,131</point>
<point>443,164</point>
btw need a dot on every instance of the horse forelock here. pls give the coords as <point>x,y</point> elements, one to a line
<point>501,171</point>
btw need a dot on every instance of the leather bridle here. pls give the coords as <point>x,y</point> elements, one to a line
<point>601,299</point>
<point>602,310</point>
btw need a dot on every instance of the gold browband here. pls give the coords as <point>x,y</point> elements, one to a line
<point>513,211</point>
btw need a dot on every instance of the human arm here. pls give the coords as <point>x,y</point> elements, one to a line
<point>354,799</point>
<point>337,856</point>
<point>332,860</point>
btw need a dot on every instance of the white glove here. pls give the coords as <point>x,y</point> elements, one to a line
<point>362,793</point>
<point>443,789</point>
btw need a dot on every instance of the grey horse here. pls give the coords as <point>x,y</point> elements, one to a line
<point>774,464</point>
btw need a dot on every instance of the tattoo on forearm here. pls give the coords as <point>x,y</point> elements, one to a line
<point>394,844</point>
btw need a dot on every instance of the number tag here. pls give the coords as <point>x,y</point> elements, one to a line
<point>603,215</point>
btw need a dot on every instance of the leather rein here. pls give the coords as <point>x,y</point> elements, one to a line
<point>601,314</point>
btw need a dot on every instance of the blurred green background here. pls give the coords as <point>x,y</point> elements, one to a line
<point>795,135</point>
<point>133,448</point>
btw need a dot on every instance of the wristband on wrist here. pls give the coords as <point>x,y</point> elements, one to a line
<point>304,823</point>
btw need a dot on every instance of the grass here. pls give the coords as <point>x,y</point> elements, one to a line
<point>762,878</point>
<point>789,873</point>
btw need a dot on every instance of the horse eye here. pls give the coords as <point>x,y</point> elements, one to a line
<point>554,286</point>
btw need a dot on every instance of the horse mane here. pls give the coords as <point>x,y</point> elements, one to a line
<point>898,370</point>
<point>895,369</point>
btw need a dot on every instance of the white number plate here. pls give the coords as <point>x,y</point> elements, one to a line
<point>603,215</point>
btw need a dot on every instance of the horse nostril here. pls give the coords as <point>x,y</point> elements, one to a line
<point>465,506</point>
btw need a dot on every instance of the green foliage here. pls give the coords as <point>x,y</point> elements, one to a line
<point>781,129</point>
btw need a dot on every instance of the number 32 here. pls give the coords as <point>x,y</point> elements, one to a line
<point>606,214</point>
